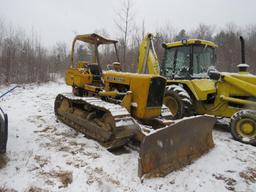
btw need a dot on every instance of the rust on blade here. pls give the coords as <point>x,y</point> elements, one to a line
<point>175,146</point>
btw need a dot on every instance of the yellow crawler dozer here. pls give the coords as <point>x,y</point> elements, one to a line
<point>195,87</point>
<point>116,107</point>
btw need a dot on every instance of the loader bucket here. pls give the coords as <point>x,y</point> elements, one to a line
<point>175,146</point>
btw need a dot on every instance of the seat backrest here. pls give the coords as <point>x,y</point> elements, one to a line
<point>95,71</point>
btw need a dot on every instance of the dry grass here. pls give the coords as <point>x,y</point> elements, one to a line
<point>36,189</point>
<point>249,175</point>
<point>65,177</point>
<point>230,182</point>
<point>4,189</point>
<point>41,160</point>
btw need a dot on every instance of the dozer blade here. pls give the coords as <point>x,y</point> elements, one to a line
<point>175,146</point>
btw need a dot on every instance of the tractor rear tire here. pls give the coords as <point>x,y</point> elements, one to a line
<point>243,126</point>
<point>178,101</point>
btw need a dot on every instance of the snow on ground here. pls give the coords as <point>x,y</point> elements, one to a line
<point>46,155</point>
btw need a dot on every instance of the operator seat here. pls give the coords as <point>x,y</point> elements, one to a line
<point>95,71</point>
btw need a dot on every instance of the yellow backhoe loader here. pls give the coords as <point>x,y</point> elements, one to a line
<point>113,108</point>
<point>194,86</point>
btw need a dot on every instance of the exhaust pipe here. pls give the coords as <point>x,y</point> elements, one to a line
<point>243,68</point>
<point>242,49</point>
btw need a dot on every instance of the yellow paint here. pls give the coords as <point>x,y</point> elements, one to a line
<point>172,104</point>
<point>147,57</point>
<point>232,88</point>
<point>199,87</point>
<point>138,86</point>
<point>134,87</point>
<point>90,88</point>
<point>190,42</point>
<point>245,127</point>
<point>77,77</point>
<point>127,101</point>
<point>215,97</point>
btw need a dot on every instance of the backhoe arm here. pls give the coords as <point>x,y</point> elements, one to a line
<point>148,62</point>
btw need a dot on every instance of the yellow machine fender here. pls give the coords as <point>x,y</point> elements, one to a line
<point>175,146</point>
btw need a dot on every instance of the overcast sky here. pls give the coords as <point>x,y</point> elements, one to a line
<point>60,20</point>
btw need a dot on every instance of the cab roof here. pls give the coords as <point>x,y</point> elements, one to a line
<point>190,42</point>
<point>94,38</point>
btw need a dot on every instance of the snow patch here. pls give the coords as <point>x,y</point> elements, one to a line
<point>160,143</point>
<point>42,153</point>
<point>125,123</point>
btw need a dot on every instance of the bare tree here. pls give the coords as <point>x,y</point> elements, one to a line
<point>24,59</point>
<point>164,34</point>
<point>203,32</point>
<point>228,52</point>
<point>124,23</point>
<point>250,47</point>
<point>181,35</point>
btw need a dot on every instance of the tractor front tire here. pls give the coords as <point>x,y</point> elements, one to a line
<point>178,101</point>
<point>243,126</point>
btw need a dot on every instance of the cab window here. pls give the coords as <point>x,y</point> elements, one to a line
<point>203,58</point>
<point>176,62</point>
